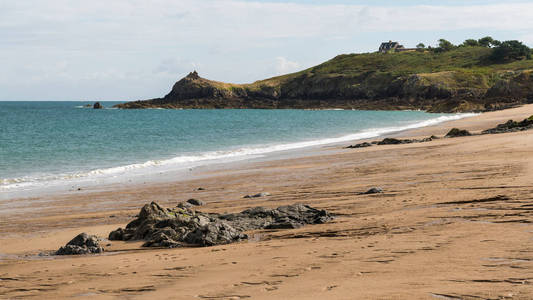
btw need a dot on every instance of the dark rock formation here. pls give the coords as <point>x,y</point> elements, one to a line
<point>374,190</point>
<point>456,132</point>
<point>289,216</point>
<point>81,244</point>
<point>511,126</point>
<point>196,202</point>
<point>161,227</point>
<point>361,145</point>
<point>97,105</point>
<point>392,141</point>
<point>186,205</point>
<point>259,195</point>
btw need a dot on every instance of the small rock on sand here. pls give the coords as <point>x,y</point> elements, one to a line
<point>374,190</point>
<point>361,145</point>
<point>456,132</point>
<point>264,194</point>
<point>196,202</point>
<point>81,244</point>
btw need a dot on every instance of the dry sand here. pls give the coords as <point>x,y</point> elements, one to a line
<point>454,223</point>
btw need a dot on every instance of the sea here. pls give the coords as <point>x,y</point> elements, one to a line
<point>60,143</point>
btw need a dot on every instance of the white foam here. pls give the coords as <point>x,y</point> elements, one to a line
<point>186,161</point>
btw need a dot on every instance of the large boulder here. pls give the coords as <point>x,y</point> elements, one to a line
<point>97,105</point>
<point>81,244</point>
<point>160,227</point>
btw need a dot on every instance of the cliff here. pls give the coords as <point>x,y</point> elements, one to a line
<point>460,80</point>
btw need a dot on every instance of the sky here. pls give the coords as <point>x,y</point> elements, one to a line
<point>136,49</point>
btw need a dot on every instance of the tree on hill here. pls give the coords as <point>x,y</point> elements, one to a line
<point>444,46</point>
<point>420,47</point>
<point>510,50</point>
<point>496,43</point>
<point>486,41</point>
<point>470,43</point>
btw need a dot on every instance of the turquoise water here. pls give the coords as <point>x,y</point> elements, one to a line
<point>50,141</point>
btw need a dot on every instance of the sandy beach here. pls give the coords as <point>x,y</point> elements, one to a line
<point>454,222</point>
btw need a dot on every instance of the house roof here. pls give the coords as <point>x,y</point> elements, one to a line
<point>389,45</point>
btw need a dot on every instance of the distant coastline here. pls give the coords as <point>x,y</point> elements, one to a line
<point>464,78</point>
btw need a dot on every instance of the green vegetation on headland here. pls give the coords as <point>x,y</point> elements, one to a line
<point>478,75</point>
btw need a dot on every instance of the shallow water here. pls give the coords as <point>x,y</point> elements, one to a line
<point>46,142</point>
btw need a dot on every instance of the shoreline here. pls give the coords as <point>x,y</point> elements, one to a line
<point>161,170</point>
<point>443,226</point>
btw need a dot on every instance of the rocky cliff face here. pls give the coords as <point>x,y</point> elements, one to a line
<point>448,91</point>
<point>195,87</point>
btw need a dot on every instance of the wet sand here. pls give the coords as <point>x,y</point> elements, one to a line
<point>454,222</point>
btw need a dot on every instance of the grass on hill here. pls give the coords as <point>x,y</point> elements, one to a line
<point>470,65</point>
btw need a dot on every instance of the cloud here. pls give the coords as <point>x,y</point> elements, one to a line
<point>71,24</point>
<point>527,38</point>
<point>284,66</point>
<point>133,40</point>
<point>173,66</point>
